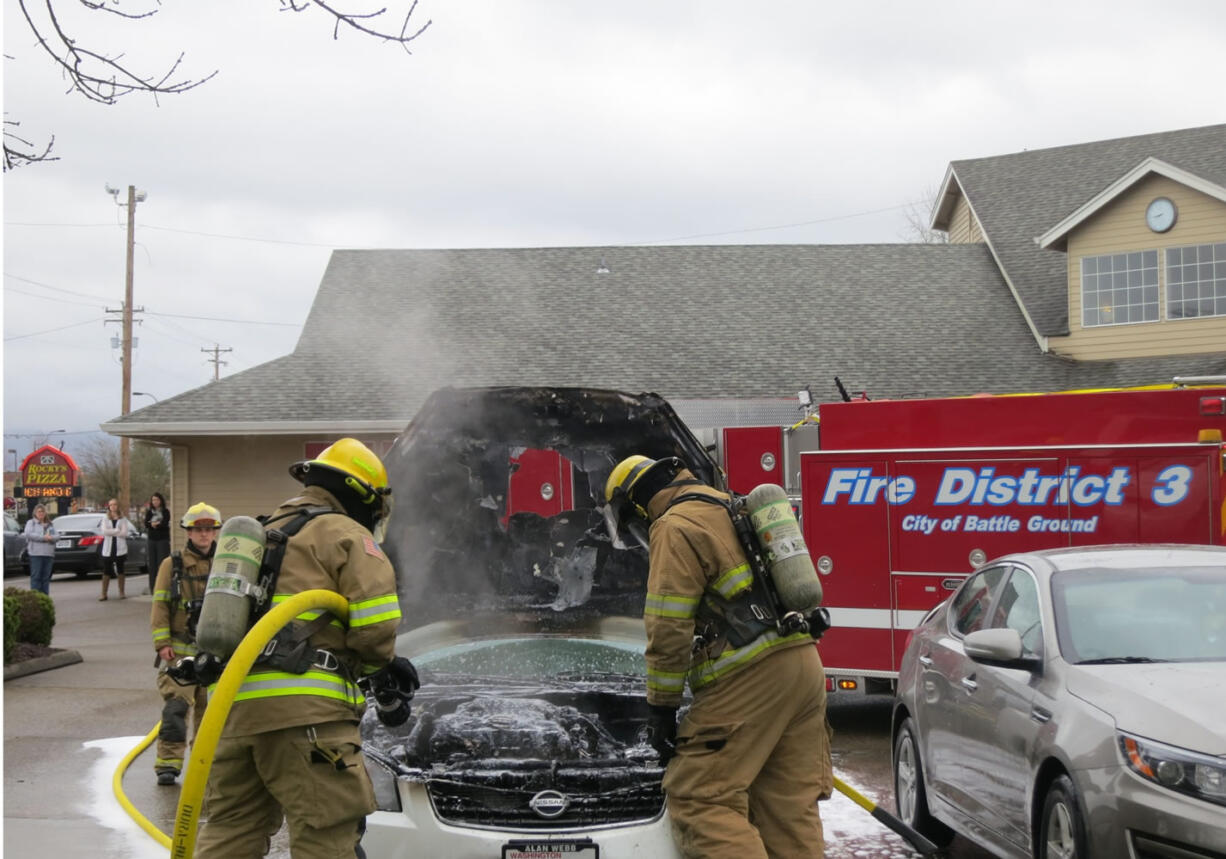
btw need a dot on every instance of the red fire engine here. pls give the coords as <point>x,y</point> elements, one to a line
<point>902,499</point>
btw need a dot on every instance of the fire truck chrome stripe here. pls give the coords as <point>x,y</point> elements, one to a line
<point>874,618</point>
<point>860,618</point>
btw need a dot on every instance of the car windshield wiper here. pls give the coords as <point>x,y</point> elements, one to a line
<point>1119,660</point>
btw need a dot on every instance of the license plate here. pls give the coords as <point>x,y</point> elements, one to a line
<point>583,848</point>
<point>63,544</point>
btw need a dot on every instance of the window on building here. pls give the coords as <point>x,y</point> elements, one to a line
<point>1196,281</point>
<point>1119,288</point>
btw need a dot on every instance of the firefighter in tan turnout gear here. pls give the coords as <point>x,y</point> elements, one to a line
<point>750,760</point>
<point>291,745</point>
<point>177,593</point>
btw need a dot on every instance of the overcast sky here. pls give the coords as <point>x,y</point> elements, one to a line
<point>510,124</point>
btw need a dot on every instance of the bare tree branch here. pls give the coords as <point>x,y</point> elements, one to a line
<point>27,153</point>
<point>105,78</point>
<point>97,76</point>
<point>917,215</point>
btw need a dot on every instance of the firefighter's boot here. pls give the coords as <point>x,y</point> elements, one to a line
<point>167,777</point>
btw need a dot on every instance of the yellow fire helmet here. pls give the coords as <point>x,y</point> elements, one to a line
<point>625,474</point>
<point>362,471</point>
<point>201,515</point>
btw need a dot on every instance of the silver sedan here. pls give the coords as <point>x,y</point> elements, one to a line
<point>1071,703</point>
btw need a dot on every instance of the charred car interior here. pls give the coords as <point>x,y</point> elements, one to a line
<point>522,614</point>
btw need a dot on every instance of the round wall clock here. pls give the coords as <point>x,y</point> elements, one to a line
<point>1160,214</point>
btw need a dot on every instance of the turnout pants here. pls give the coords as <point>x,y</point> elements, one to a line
<point>311,775</point>
<point>178,704</point>
<point>753,758</point>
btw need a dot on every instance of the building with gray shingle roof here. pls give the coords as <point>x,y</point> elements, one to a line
<point>728,333</point>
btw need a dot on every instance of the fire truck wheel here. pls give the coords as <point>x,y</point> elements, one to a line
<point>909,795</point>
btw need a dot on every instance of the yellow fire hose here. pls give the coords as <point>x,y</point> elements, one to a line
<point>205,744</point>
<point>117,788</point>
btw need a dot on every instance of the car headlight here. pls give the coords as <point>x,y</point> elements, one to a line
<point>1191,773</point>
<point>383,780</point>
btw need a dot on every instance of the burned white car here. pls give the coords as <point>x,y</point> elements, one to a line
<point>524,620</point>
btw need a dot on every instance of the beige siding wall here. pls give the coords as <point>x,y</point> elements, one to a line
<point>963,225</point>
<point>1120,226</point>
<point>239,475</point>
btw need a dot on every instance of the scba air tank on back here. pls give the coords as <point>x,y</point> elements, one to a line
<point>791,568</point>
<point>226,611</point>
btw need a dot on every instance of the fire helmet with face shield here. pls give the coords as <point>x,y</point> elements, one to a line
<point>634,481</point>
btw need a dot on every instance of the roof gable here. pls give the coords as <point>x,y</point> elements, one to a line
<point>1057,236</point>
<point>1020,196</point>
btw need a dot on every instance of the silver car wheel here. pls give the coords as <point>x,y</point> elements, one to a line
<point>1062,830</point>
<point>1060,844</point>
<point>905,779</point>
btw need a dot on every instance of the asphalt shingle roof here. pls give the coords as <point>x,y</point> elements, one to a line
<point>389,326</point>
<point>1021,196</point>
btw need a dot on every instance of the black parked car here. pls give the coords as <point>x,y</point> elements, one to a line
<point>79,546</point>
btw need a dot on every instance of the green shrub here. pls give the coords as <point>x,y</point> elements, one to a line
<point>35,615</point>
<point>11,612</point>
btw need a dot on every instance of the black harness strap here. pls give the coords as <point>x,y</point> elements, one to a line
<point>744,617</point>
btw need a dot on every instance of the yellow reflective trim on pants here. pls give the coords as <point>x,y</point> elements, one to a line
<point>669,605</point>
<point>733,582</point>
<point>711,670</point>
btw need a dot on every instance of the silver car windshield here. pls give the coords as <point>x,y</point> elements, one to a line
<point>1173,614</point>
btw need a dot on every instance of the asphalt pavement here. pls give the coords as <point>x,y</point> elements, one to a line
<point>66,729</point>
<point>51,801</point>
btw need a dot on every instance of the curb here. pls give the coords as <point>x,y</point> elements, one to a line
<point>41,663</point>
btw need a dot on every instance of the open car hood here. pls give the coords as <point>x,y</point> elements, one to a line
<point>454,546</point>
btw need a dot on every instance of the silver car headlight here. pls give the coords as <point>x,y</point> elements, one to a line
<point>1192,773</point>
<point>387,794</point>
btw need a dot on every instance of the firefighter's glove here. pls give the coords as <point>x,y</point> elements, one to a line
<point>819,622</point>
<point>393,687</point>
<point>662,731</point>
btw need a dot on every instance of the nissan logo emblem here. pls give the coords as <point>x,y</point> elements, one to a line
<point>549,803</point>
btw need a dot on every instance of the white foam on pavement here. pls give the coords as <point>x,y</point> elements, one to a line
<point>851,832</point>
<point>103,805</point>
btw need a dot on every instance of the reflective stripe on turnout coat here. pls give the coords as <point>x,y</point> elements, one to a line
<point>332,552</point>
<point>693,549</point>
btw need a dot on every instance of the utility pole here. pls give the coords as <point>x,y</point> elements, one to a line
<point>125,444</point>
<point>216,359</point>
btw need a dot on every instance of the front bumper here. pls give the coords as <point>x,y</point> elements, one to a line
<point>417,832</point>
<point>1127,816</point>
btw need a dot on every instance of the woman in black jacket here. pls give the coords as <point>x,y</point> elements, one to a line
<point>157,529</point>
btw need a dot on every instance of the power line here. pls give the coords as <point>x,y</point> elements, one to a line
<point>224,319</point>
<point>55,288</point>
<point>53,330</point>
